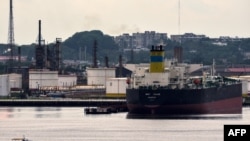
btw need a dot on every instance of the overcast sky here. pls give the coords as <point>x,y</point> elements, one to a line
<point>63,18</point>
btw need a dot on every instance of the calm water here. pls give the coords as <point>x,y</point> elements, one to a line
<point>71,124</point>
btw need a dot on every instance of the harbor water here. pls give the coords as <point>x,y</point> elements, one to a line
<point>71,124</point>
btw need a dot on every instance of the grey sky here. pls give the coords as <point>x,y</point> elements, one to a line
<point>62,18</point>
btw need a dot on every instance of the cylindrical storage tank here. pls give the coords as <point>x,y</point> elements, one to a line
<point>42,78</point>
<point>67,80</point>
<point>4,85</point>
<point>116,87</point>
<point>99,76</point>
<point>15,80</point>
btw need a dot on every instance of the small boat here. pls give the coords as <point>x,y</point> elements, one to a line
<point>98,110</point>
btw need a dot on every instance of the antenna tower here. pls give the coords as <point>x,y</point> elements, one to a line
<point>179,20</point>
<point>11,40</point>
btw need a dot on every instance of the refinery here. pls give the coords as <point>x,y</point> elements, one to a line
<point>45,78</point>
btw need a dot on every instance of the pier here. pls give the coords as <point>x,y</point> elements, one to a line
<point>63,102</point>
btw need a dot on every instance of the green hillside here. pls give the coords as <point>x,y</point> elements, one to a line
<point>84,41</point>
<point>198,51</point>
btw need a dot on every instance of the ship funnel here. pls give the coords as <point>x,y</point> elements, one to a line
<point>157,59</point>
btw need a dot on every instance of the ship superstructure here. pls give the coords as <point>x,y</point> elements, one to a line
<point>174,75</point>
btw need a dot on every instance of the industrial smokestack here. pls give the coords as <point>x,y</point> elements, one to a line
<point>94,55</point>
<point>120,65</point>
<point>40,50</point>
<point>107,61</point>
<point>39,33</point>
<point>58,54</point>
<point>11,40</point>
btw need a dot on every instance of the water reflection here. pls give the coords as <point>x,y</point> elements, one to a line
<point>40,109</point>
<point>24,112</point>
<point>8,109</point>
<point>51,115</point>
<point>186,117</point>
<point>48,112</point>
<point>6,113</point>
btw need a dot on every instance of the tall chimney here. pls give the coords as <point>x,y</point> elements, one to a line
<point>120,65</point>
<point>106,61</point>
<point>40,50</point>
<point>94,54</point>
<point>39,33</point>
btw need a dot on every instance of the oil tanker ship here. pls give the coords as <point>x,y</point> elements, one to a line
<point>165,87</point>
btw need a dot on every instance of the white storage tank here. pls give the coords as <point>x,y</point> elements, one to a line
<point>4,85</point>
<point>67,80</point>
<point>116,87</point>
<point>99,76</point>
<point>42,78</point>
<point>15,80</point>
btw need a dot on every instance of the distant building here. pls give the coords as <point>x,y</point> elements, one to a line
<point>220,43</point>
<point>227,38</point>
<point>139,40</point>
<point>223,40</point>
<point>124,40</point>
<point>187,37</point>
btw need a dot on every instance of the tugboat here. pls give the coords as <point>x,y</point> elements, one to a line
<point>97,110</point>
<point>165,87</point>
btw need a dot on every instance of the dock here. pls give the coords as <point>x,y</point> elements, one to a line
<point>63,102</point>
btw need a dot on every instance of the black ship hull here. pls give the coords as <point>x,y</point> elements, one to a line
<point>225,99</point>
